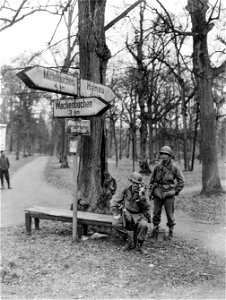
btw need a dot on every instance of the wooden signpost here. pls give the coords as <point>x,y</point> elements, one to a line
<point>89,89</point>
<point>93,100</point>
<point>79,107</point>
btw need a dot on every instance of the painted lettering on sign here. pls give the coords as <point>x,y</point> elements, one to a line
<point>58,77</point>
<point>83,103</point>
<point>94,90</point>
<point>91,106</point>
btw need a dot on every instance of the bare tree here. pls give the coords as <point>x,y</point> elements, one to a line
<point>204,74</point>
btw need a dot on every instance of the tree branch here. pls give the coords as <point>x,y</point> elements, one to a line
<point>219,70</point>
<point>113,22</point>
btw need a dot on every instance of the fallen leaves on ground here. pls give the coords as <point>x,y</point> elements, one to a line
<point>48,264</point>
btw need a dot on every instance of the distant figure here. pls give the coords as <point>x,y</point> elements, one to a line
<point>4,170</point>
<point>166,181</point>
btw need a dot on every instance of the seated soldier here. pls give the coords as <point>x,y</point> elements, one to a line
<point>131,212</point>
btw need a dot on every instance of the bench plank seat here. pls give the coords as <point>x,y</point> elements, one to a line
<point>64,215</point>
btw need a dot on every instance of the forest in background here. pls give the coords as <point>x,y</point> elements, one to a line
<point>167,91</point>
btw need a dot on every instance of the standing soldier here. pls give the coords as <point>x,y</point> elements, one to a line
<point>130,210</point>
<point>4,170</point>
<point>166,181</point>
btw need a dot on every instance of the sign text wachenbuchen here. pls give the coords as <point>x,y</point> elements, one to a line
<point>92,89</point>
<point>49,80</point>
<point>79,107</point>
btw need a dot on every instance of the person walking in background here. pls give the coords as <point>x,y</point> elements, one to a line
<point>166,181</point>
<point>4,170</point>
<point>131,213</point>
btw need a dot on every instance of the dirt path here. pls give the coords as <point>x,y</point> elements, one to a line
<point>29,188</point>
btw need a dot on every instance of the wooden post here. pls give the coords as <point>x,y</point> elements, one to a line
<point>75,198</point>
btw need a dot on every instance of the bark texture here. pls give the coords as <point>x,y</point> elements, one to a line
<point>94,56</point>
<point>204,77</point>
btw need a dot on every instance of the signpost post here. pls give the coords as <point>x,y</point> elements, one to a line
<point>74,150</point>
<point>76,128</point>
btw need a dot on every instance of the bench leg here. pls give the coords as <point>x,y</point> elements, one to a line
<point>85,229</point>
<point>79,231</point>
<point>28,223</point>
<point>36,223</point>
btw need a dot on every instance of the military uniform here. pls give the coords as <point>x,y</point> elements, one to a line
<point>166,181</point>
<point>135,213</point>
<point>4,170</point>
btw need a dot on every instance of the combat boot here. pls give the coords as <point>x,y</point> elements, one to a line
<point>155,231</point>
<point>140,247</point>
<point>170,235</point>
<point>130,244</point>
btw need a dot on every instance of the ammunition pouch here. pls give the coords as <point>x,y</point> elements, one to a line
<point>157,192</point>
<point>164,191</point>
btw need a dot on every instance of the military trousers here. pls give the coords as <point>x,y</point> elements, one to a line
<point>6,174</point>
<point>168,204</point>
<point>124,226</point>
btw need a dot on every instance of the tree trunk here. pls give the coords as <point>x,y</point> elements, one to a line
<point>94,56</point>
<point>203,75</point>
<point>184,114</point>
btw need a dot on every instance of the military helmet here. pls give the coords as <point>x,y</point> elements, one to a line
<point>136,177</point>
<point>166,150</point>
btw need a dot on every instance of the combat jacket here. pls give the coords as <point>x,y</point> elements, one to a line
<point>4,163</point>
<point>167,180</point>
<point>132,204</point>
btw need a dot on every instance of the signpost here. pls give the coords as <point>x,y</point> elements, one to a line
<point>89,88</point>
<point>94,101</point>
<point>49,80</point>
<point>79,107</point>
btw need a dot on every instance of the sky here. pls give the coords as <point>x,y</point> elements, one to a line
<point>33,33</point>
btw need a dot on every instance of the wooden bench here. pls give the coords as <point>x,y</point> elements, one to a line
<point>65,215</point>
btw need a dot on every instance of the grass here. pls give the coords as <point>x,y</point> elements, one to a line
<point>47,265</point>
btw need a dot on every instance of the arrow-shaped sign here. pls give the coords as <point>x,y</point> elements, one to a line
<point>92,89</point>
<point>79,107</point>
<point>49,80</point>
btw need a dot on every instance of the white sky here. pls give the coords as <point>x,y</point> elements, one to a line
<point>32,33</point>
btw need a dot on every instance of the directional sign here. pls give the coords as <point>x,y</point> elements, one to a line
<point>49,80</point>
<point>79,107</point>
<point>79,127</point>
<point>89,88</point>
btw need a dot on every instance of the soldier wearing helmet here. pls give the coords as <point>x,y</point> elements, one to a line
<point>131,213</point>
<point>166,181</point>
